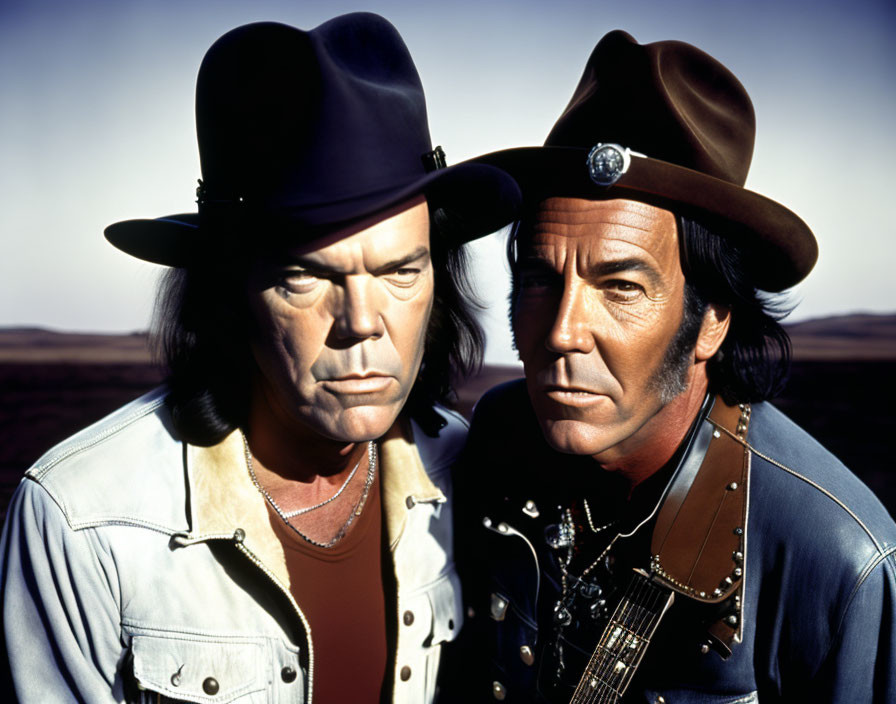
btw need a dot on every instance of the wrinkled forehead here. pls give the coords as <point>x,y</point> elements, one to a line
<point>601,228</point>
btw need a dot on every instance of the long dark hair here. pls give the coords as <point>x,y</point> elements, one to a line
<point>200,333</point>
<point>753,362</point>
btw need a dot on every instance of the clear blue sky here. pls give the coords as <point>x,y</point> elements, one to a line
<point>96,125</point>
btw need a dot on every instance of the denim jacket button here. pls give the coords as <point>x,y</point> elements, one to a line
<point>288,674</point>
<point>405,673</point>
<point>526,654</point>
<point>210,685</point>
<point>498,691</point>
<point>408,618</point>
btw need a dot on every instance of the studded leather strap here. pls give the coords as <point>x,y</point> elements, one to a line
<point>699,543</point>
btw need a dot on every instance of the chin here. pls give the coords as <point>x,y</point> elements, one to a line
<point>574,437</point>
<point>363,423</point>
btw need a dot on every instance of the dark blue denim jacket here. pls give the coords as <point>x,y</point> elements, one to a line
<point>818,618</point>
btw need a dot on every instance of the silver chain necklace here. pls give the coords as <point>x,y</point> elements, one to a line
<point>301,511</point>
<point>371,472</point>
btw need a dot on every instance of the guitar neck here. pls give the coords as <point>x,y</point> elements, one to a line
<point>624,641</point>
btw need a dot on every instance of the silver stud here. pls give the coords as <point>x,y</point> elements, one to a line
<point>738,531</point>
<point>732,486</point>
<point>607,162</point>
<point>702,595</point>
<point>738,556</point>
<point>738,571</point>
<point>731,620</point>
<point>503,528</point>
<point>497,607</point>
<point>704,648</point>
<point>717,592</point>
<point>530,509</point>
<point>729,581</point>
<point>716,433</point>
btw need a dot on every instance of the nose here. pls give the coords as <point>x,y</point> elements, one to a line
<point>358,314</point>
<point>571,330</point>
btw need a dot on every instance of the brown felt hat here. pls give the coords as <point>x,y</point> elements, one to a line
<point>666,124</point>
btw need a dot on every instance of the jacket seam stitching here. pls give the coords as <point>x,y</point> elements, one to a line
<point>104,434</point>
<point>124,522</point>
<point>863,577</point>
<point>818,487</point>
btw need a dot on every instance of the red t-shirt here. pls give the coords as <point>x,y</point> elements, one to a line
<point>340,591</point>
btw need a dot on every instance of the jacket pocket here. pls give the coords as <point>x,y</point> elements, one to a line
<point>186,668</point>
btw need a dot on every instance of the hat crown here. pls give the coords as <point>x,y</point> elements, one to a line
<point>293,120</point>
<point>668,100</point>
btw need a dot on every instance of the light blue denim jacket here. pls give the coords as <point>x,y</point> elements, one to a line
<point>135,567</point>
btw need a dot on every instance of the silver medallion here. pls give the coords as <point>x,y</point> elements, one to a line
<point>607,162</point>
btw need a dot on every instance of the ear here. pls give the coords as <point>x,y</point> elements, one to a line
<point>713,330</point>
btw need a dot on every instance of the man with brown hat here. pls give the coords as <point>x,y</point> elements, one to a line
<point>639,524</point>
<point>272,525</point>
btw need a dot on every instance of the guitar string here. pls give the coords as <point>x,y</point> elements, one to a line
<point>606,674</point>
<point>645,625</point>
<point>629,621</point>
<point>602,657</point>
<point>645,620</point>
<point>637,615</point>
<point>612,679</point>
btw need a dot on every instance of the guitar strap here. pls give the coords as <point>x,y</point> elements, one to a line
<point>698,550</point>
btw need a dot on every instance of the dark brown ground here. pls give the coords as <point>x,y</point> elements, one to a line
<point>845,400</point>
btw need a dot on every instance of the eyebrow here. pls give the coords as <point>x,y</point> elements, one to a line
<point>318,268</point>
<point>601,269</point>
<point>616,266</point>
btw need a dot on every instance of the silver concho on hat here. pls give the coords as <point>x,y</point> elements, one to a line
<point>607,162</point>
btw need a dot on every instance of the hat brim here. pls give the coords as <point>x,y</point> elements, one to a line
<point>480,197</point>
<point>780,247</point>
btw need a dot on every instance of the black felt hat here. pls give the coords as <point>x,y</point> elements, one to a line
<point>666,124</point>
<point>303,131</point>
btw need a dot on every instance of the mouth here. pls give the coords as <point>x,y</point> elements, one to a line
<point>367,383</point>
<point>573,396</point>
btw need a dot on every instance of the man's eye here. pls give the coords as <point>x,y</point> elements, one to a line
<point>623,290</point>
<point>535,279</point>
<point>405,276</point>
<point>299,281</point>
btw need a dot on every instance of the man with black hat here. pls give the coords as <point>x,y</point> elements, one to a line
<point>270,526</point>
<point>640,524</point>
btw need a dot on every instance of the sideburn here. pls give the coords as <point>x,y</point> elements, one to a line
<point>671,378</point>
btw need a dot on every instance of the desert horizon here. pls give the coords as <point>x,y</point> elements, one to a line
<point>55,383</point>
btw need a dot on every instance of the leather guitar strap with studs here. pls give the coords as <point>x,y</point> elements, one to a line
<point>698,550</point>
